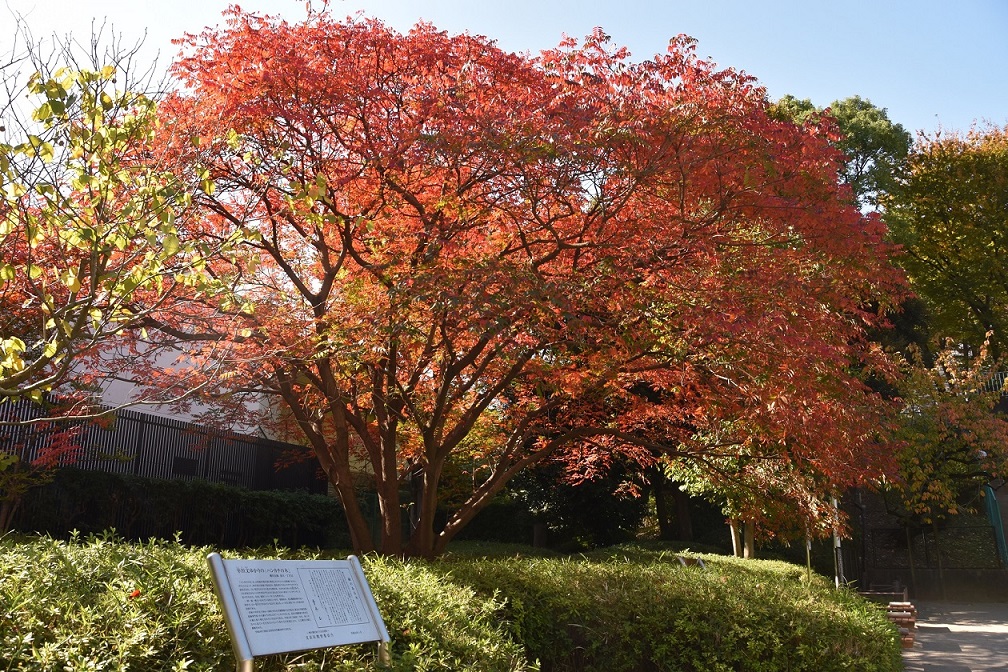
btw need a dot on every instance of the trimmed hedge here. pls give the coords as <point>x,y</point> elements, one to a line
<point>197,512</point>
<point>629,609</point>
<point>103,604</point>
<point>502,520</point>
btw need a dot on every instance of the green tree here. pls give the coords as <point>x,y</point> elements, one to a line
<point>951,442</point>
<point>875,146</point>
<point>950,214</point>
<point>91,233</point>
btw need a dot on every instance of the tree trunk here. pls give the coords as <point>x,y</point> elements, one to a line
<point>540,535</point>
<point>938,559</point>
<point>422,538</point>
<point>333,453</point>
<point>360,531</point>
<point>672,510</point>
<point>390,511</point>
<point>736,537</point>
<point>808,556</point>
<point>464,514</point>
<point>7,510</point>
<point>666,531</point>
<point>910,559</point>
<point>416,487</point>
<point>750,540</point>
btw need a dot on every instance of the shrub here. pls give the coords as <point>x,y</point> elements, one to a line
<point>587,515</point>
<point>104,605</point>
<point>629,609</point>
<point>199,512</point>
<point>100,604</point>
<point>502,520</point>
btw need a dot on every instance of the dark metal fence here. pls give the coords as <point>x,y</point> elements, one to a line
<point>958,547</point>
<point>130,442</point>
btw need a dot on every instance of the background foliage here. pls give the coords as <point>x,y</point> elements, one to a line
<point>950,213</point>
<point>198,512</point>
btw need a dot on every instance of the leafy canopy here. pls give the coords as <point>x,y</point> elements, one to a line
<point>875,148</point>
<point>90,233</point>
<point>950,214</point>
<point>466,261</point>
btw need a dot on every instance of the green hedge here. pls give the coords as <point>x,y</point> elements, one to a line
<point>225,516</point>
<point>198,512</point>
<point>631,609</point>
<point>103,604</point>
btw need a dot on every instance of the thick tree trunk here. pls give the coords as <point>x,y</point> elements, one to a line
<point>422,543</point>
<point>672,508</point>
<point>360,531</point>
<point>333,453</point>
<point>663,510</point>
<point>336,465</point>
<point>540,535</point>
<point>390,510</point>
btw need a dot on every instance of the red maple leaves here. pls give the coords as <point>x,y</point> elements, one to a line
<point>465,256</point>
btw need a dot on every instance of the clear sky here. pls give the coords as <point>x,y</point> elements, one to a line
<point>931,63</point>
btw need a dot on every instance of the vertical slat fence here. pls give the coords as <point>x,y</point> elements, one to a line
<point>141,444</point>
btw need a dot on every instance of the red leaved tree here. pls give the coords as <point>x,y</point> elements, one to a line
<point>468,260</point>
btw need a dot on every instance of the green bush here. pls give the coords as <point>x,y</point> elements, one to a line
<point>629,609</point>
<point>198,511</point>
<point>101,604</point>
<point>105,605</point>
<point>502,520</point>
<point>587,515</point>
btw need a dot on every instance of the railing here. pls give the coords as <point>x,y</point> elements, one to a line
<point>129,442</point>
<point>996,383</point>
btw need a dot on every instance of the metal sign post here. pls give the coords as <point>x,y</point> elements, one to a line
<point>283,606</point>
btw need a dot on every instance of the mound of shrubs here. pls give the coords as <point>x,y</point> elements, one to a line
<point>629,609</point>
<point>103,604</point>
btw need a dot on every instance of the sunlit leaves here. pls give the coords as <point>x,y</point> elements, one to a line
<point>950,440</point>
<point>463,255</point>
<point>950,213</point>
<point>89,237</point>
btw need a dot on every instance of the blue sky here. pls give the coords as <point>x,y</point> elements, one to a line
<point>931,63</point>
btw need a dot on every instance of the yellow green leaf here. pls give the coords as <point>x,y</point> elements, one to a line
<point>170,244</point>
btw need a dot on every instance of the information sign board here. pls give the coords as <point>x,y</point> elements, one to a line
<point>281,606</point>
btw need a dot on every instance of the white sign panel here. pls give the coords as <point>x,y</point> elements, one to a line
<point>289,605</point>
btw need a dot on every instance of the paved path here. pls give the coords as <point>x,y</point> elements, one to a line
<point>959,637</point>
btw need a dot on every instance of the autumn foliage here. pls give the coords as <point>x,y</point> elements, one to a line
<point>950,440</point>
<point>465,260</point>
<point>949,212</point>
<point>89,219</point>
